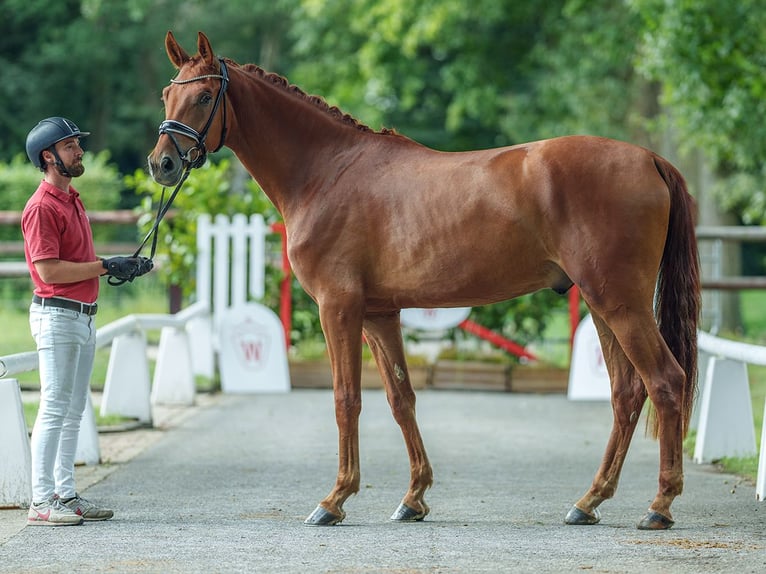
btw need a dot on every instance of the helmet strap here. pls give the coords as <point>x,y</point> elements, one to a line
<point>58,163</point>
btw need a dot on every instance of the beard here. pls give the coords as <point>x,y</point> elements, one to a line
<point>75,169</point>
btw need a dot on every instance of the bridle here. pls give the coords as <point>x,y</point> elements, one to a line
<point>194,157</point>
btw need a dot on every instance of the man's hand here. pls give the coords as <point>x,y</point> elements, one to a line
<point>144,266</point>
<point>127,268</point>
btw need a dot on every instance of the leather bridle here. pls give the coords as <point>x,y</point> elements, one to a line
<point>194,157</point>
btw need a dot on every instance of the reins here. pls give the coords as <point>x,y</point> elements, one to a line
<point>170,127</point>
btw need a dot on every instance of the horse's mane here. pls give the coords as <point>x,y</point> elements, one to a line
<point>319,102</point>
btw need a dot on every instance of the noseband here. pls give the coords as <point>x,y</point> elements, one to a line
<point>195,156</point>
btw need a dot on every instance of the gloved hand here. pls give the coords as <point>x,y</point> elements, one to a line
<point>127,268</point>
<point>144,265</point>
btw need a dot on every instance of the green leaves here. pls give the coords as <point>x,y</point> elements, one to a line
<point>214,188</point>
<point>708,57</point>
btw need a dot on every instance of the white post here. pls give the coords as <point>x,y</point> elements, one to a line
<point>173,376</point>
<point>238,257</point>
<point>127,386</point>
<point>88,450</point>
<point>204,256</point>
<point>221,254</point>
<point>15,453</point>
<point>726,425</point>
<point>200,331</point>
<point>253,356</point>
<point>588,376</point>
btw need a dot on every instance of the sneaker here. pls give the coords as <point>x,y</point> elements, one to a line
<point>87,509</point>
<point>52,512</point>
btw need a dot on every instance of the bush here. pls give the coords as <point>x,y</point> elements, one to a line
<point>99,188</point>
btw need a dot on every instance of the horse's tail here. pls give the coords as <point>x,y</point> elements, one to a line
<point>678,286</point>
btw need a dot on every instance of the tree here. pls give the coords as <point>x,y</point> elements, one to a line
<point>708,57</point>
<point>103,65</point>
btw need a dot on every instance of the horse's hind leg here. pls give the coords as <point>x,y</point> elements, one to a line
<point>384,337</point>
<point>664,380</point>
<point>628,397</point>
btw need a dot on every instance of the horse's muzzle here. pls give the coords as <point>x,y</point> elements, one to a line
<point>165,169</point>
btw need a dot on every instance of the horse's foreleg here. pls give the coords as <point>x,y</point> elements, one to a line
<point>343,332</point>
<point>385,340</point>
<point>628,397</point>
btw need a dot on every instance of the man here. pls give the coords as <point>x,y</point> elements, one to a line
<point>58,246</point>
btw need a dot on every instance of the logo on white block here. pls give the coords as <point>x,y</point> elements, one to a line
<point>252,356</point>
<point>253,344</point>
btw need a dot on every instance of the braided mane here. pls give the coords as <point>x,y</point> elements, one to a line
<point>317,101</point>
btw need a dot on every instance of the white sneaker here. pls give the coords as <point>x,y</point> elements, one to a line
<point>52,512</point>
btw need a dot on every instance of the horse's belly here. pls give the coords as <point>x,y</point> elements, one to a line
<point>467,283</point>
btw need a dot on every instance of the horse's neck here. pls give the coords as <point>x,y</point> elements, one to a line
<point>285,142</point>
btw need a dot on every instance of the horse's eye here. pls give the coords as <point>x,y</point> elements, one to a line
<point>205,99</point>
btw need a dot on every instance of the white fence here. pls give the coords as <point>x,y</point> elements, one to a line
<point>248,337</point>
<point>127,388</point>
<point>723,414</point>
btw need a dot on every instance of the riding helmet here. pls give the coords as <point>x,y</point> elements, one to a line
<point>47,133</point>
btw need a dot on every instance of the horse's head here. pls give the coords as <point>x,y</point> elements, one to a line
<point>195,107</point>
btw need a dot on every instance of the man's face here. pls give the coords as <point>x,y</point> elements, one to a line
<point>70,152</point>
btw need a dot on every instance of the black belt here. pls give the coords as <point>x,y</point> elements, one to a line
<point>66,304</point>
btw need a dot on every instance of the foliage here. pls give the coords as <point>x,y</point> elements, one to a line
<point>99,188</point>
<point>216,188</point>
<point>440,72</point>
<point>708,57</point>
<point>103,65</point>
<point>582,77</point>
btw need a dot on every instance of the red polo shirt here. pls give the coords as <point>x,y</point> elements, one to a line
<point>55,226</point>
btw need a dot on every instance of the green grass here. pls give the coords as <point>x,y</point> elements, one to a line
<point>30,413</point>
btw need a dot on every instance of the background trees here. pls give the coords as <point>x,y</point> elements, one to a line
<point>453,74</point>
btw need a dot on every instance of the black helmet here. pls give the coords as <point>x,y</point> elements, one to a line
<point>47,133</point>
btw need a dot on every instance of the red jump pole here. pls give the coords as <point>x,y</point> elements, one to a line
<point>497,340</point>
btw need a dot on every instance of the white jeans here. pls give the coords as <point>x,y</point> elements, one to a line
<point>66,346</point>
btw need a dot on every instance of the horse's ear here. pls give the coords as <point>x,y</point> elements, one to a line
<point>176,53</point>
<point>204,49</point>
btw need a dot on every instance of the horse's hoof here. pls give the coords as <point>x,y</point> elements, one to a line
<point>406,514</point>
<point>580,517</point>
<point>655,521</point>
<point>323,517</point>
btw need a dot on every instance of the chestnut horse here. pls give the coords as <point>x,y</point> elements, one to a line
<point>377,222</point>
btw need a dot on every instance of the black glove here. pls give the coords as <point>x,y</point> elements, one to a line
<point>144,266</point>
<point>127,268</point>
